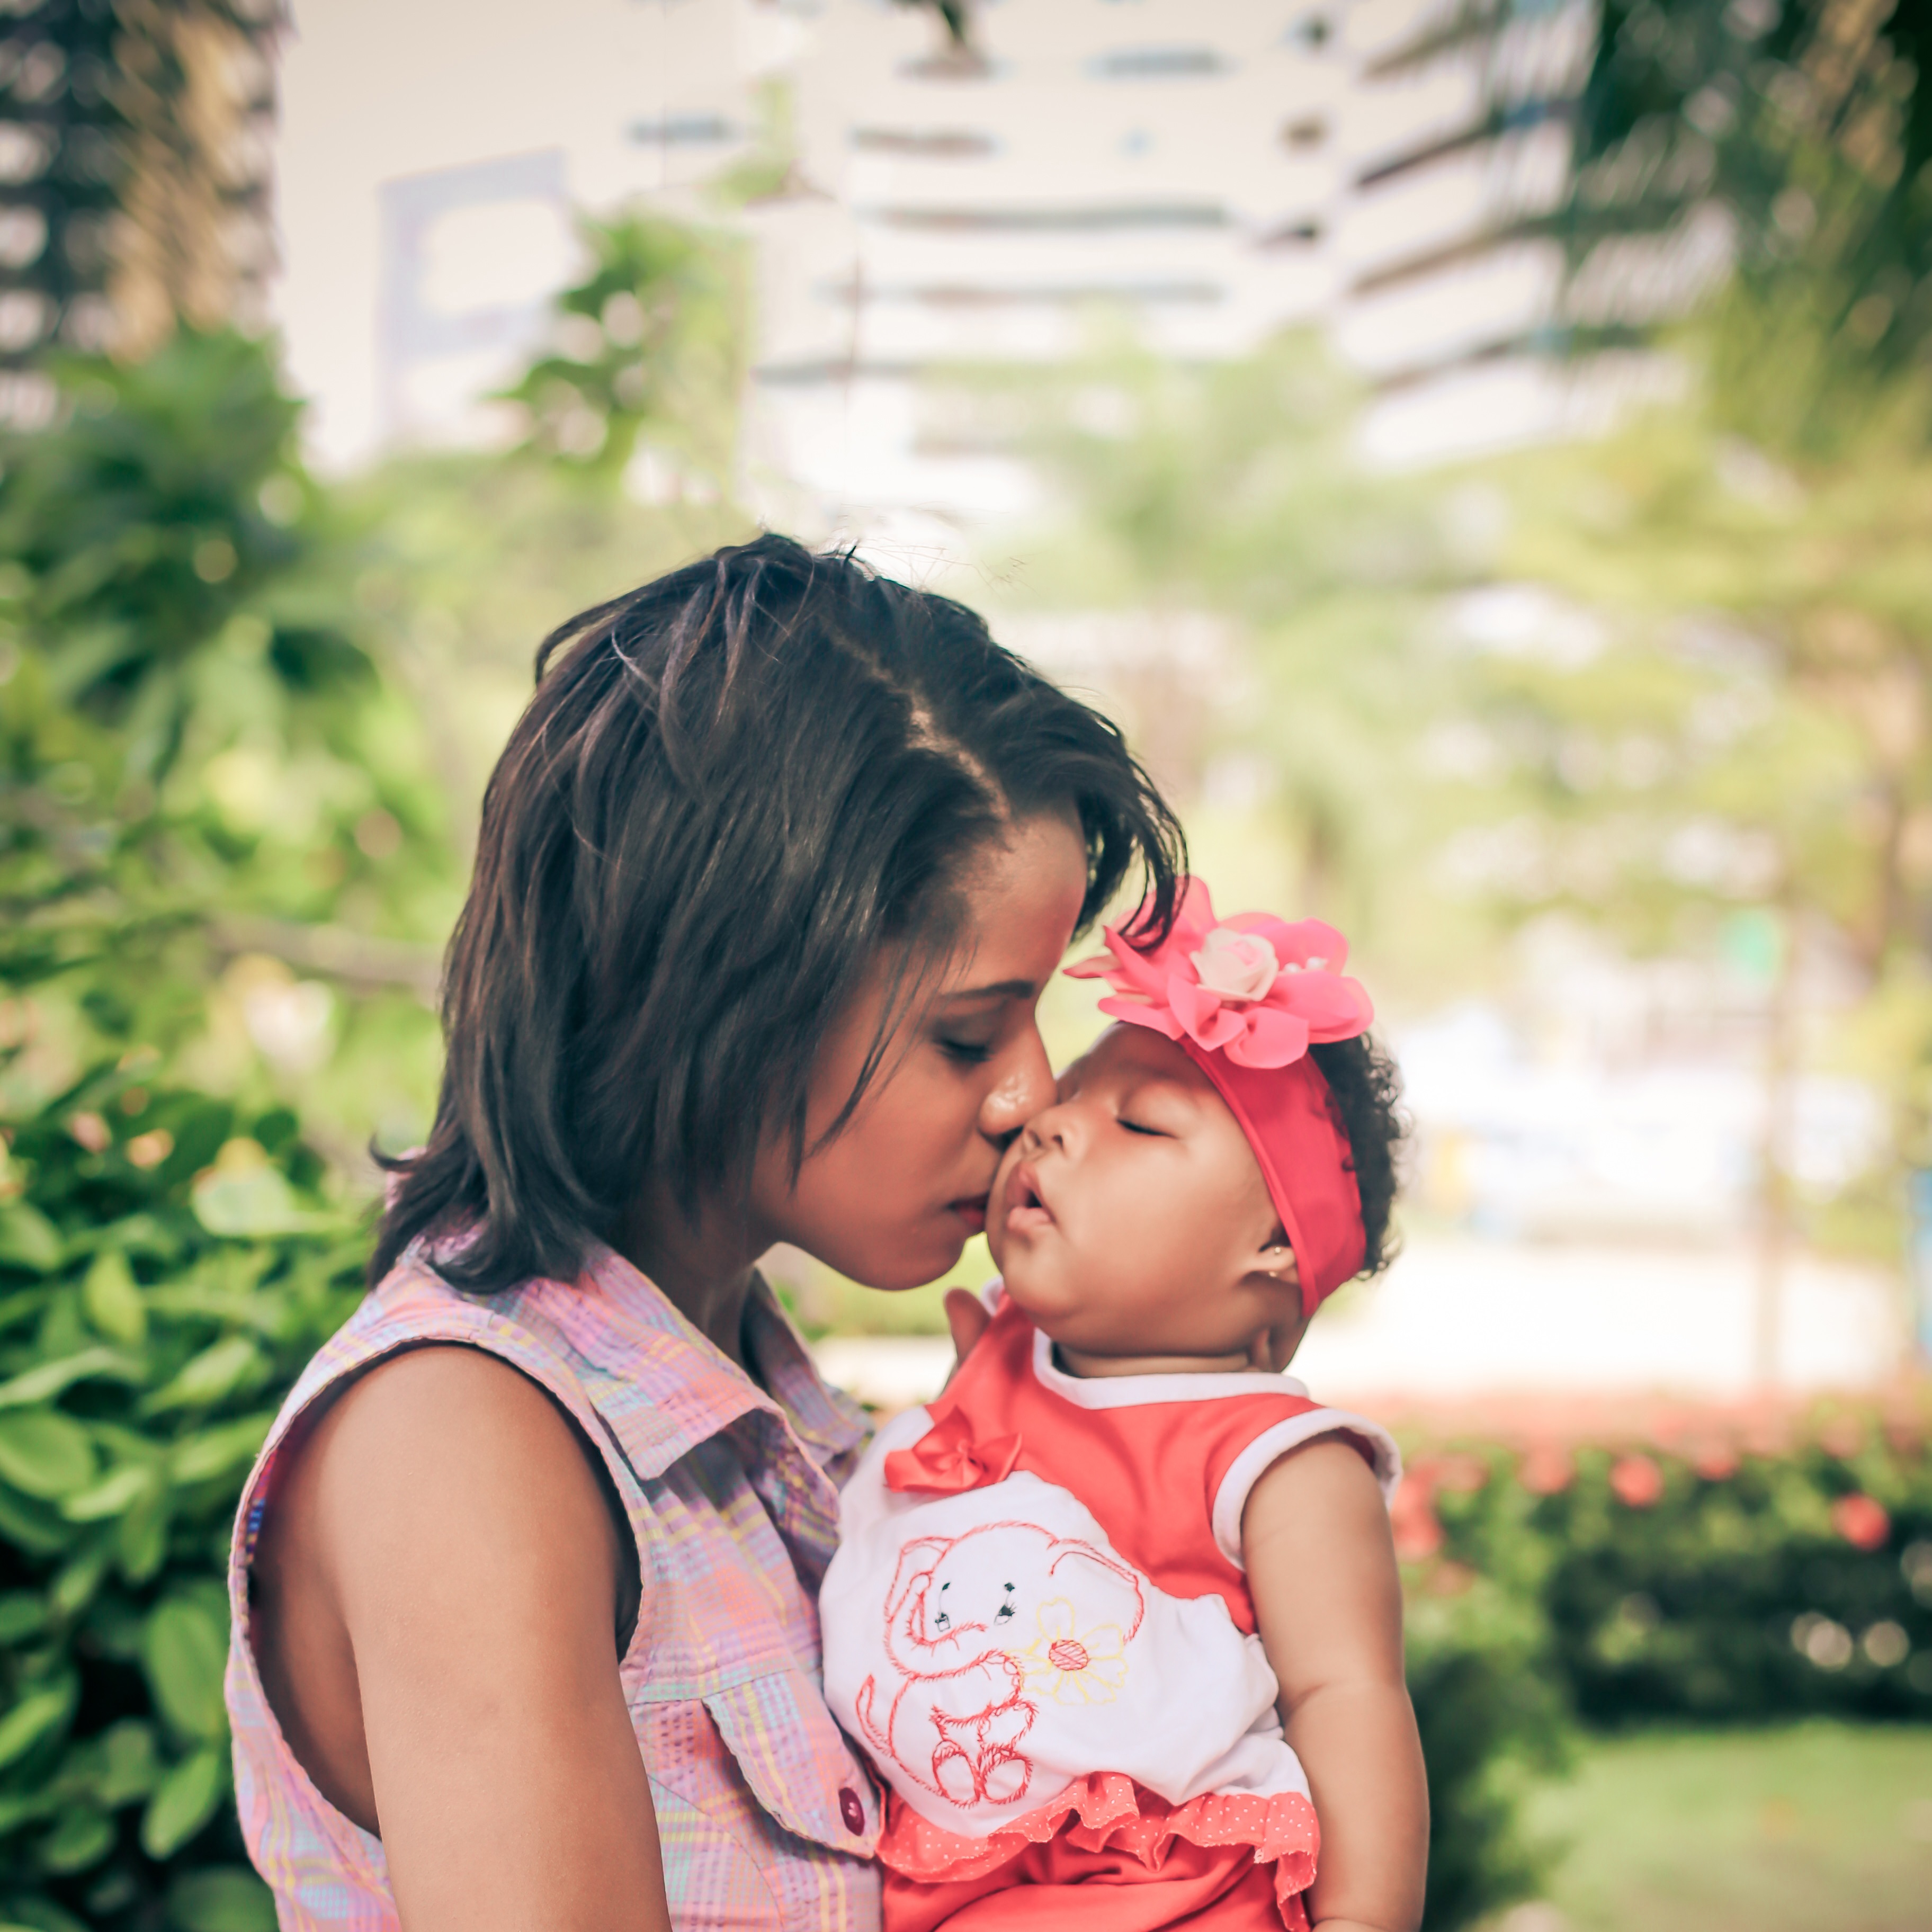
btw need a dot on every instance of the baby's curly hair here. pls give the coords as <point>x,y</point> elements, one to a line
<point>1367,1089</point>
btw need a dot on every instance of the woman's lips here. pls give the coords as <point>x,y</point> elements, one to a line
<point>971,1209</point>
<point>1026,1212</point>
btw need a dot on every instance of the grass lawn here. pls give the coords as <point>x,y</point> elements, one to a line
<point>1815,1827</point>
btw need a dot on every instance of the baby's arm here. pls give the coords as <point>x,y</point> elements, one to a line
<point>1321,1568</point>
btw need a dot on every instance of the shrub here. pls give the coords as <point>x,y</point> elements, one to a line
<point>165,1271</point>
<point>1490,1718</point>
<point>1751,1587</point>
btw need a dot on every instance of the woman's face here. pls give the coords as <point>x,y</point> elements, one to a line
<point>894,1196</point>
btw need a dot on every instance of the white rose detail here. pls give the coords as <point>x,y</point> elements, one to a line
<point>1237,965</point>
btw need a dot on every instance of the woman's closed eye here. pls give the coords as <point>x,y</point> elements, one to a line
<point>966,1052</point>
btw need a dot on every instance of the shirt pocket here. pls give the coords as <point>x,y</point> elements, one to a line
<point>795,1760</point>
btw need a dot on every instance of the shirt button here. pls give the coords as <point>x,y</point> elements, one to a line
<point>852,1811</point>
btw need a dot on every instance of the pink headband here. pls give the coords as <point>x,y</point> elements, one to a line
<point>1244,998</point>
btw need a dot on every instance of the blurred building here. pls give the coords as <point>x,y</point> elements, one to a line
<point>1216,168</point>
<point>135,155</point>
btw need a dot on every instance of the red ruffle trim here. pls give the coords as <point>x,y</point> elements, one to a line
<point>1109,1811</point>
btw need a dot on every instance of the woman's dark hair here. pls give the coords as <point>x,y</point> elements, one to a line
<point>733,787</point>
<point>1367,1092</point>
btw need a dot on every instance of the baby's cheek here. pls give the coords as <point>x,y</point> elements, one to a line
<point>1131,1221</point>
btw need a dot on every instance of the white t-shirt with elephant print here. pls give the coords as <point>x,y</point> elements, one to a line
<point>1038,1579</point>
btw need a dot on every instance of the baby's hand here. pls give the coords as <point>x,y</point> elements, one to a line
<point>966,1315</point>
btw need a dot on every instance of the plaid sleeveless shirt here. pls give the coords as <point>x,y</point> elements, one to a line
<point>765,1816</point>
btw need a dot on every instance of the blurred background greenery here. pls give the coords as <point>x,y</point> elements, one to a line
<point>1664,686</point>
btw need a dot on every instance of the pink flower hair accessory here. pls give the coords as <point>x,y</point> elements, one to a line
<point>1252,987</point>
<point>1245,998</point>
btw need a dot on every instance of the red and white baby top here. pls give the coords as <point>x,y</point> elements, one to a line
<point>1038,1605</point>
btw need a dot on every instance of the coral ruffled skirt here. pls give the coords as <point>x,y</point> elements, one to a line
<point>1106,1856</point>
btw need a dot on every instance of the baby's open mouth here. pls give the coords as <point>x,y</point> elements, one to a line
<point>1024,1207</point>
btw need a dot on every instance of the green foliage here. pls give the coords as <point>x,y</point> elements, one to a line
<point>1758,1589</point>
<point>1490,1719</point>
<point>1810,125</point>
<point>1716,719</point>
<point>1234,491</point>
<point>170,505</point>
<point>211,790</point>
<point>648,346</point>
<point>195,738</point>
<point>1777,157</point>
<point>195,741</point>
<point>141,1356</point>
<point>1623,1590</point>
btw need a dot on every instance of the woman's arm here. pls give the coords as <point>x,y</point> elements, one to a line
<point>1322,1568</point>
<point>442,1598</point>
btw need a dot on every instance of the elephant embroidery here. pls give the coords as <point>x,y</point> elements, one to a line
<point>958,1618</point>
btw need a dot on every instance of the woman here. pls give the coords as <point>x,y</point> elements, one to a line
<point>770,877</point>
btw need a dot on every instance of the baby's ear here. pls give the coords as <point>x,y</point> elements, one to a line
<point>1277,1259</point>
<point>1273,1348</point>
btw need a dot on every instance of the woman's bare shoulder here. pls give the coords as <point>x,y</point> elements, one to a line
<point>438,1440</point>
<point>441,1518</point>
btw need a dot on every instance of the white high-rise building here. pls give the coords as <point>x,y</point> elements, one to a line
<point>1217,169</point>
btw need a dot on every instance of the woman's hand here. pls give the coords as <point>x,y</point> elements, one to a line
<point>441,1648</point>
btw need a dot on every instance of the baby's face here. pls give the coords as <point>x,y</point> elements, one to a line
<point>1130,1217</point>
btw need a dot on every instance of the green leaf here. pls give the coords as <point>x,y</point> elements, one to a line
<point>28,1239</point>
<point>221,1898</point>
<point>206,1377</point>
<point>255,1201</point>
<point>218,1452</point>
<point>24,1808</point>
<point>184,1650</point>
<point>33,1526</point>
<point>42,1914</point>
<point>125,1766</point>
<point>43,1453</point>
<point>73,1588</point>
<point>143,1534</point>
<point>113,1299</point>
<point>36,1716</point>
<point>186,1800</point>
<point>51,1378</point>
<point>22,1613</point>
<point>113,1494</point>
<point>83,1837</point>
<point>22,1305</point>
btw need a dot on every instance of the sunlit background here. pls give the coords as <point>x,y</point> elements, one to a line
<point>1214,349</point>
<point>1481,450</point>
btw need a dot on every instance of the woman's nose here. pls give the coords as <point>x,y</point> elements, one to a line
<point>1025,1085</point>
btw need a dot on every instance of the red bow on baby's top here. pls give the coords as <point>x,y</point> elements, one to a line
<point>945,1461</point>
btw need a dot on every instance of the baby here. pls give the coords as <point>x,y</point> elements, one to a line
<point>1117,1617</point>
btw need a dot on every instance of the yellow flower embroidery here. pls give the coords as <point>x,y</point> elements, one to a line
<point>1072,1666</point>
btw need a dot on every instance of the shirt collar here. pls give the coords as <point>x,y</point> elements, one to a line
<point>829,1423</point>
<point>696,1389</point>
